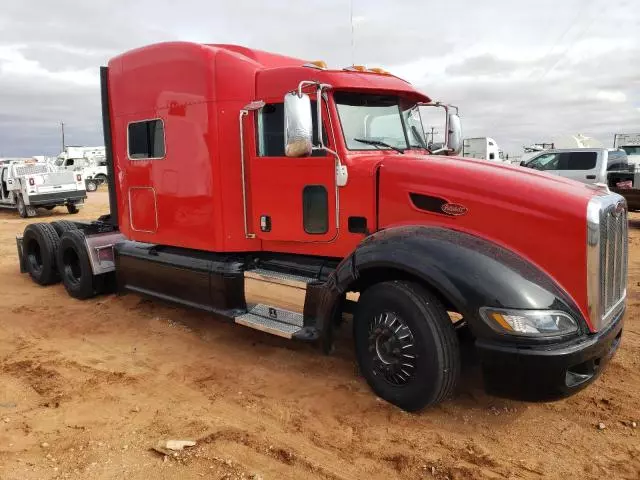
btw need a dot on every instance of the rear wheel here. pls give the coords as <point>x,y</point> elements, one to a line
<point>406,345</point>
<point>40,244</point>
<point>75,267</point>
<point>72,208</point>
<point>92,185</point>
<point>101,178</point>
<point>61,226</point>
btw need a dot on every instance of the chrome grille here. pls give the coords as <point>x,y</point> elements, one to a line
<point>613,260</point>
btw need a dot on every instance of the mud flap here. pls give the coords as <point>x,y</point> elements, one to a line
<point>23,263</point>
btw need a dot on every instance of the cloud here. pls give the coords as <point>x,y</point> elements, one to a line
<point>520,72</point>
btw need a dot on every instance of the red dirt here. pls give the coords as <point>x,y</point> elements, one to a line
<point>102,381</point>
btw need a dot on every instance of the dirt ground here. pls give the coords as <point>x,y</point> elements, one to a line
<point>86,388</point>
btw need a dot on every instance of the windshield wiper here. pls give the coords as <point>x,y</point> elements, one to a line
<point>378,143</point>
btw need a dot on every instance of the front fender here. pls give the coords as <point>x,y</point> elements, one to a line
<point>469,271</point>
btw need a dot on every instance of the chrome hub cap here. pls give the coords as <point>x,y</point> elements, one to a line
<point>394,353</point>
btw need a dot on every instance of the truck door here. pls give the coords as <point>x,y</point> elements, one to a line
<point>291,199</point>
<point>580,166</point>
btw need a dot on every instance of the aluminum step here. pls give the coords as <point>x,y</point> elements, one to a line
<point>268,325</point>
<point>269,276</point>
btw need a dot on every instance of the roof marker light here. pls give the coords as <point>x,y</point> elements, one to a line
<point>319,64</point>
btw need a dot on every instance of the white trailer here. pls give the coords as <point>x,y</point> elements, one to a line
<point>484,148</point>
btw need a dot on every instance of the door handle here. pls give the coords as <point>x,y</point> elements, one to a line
<point>591,177</point>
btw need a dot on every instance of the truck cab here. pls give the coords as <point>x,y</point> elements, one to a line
<point>235,170</point>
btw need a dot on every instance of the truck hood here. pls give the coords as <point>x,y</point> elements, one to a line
<point>539,216</point>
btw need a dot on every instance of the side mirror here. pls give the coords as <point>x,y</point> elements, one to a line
<point>298,125</point>
<point>455,134</point>
<point>523,163</point>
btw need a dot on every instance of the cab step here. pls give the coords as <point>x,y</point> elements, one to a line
<point>275,303</point>
<point>276,321</point>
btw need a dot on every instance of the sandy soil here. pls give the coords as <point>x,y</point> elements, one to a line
<point>86,388</point>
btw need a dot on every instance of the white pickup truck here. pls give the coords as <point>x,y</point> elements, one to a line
<point>603,166</point>
<point>26,186</point>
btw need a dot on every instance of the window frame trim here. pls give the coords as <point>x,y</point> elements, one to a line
<point>164,139</point>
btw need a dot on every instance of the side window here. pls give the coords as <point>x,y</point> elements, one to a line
<point>70,162</point>
<point>578,161</point>
<point>145,140</point>
<point>270,131</point>
<point>548,161</point>
<point>492,156</point>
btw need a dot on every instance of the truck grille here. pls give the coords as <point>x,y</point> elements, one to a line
<point>613,260</point>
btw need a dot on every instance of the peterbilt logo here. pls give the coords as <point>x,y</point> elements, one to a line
<point>454,209</point>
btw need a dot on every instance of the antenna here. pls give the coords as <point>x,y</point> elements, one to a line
<point>353,61</point>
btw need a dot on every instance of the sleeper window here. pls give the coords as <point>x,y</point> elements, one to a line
<point>270,119</point>
<point>146,139</point>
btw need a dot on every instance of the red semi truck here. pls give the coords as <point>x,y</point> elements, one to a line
<point>234,169</point>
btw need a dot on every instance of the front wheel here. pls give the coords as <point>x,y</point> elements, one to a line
<point>72,208</point>
<point>91,185</point>
<point>406,345</point>
<point>22,208</point>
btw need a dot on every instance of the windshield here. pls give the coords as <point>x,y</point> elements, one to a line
<point>635,150</point>
<point>371,121</point>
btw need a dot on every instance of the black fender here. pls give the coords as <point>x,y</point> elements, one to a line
<point>467,271</point>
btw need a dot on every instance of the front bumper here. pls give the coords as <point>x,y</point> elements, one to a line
<point>547,372</point>
<point>58,198</point>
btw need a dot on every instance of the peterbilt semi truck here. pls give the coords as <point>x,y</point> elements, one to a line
<point>234,169</point>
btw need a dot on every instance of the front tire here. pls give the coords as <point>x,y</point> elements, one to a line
<point>72,208</point>
<point>406,345</point>
<point>22,208</point>
<point>91,185</point>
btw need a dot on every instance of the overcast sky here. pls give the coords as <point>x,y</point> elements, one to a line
<point>521,71</point>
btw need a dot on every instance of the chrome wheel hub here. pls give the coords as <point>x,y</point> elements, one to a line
<point>392,345</point>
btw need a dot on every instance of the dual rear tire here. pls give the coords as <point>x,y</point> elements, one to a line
<point>58,251</point>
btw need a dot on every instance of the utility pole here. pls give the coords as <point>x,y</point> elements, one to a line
<point>62,128</point>
<point>433,131</point>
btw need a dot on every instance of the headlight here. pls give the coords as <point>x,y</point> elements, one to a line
<point>534,323</point>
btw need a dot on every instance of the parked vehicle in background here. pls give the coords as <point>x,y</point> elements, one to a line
<point>26,186</point>
<point>250,169</point>
<point>630,143</point>
<point>484,148</point>
<point>603,166</point>
<point>90,161</point>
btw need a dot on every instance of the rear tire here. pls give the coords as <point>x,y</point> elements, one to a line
<point>72,208</point>
<point>406,345</point>
<point>22,208</point>
<point>40,245</point>
<point>61,226</point>
<point>75,266</point>
<point>101,178</point>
